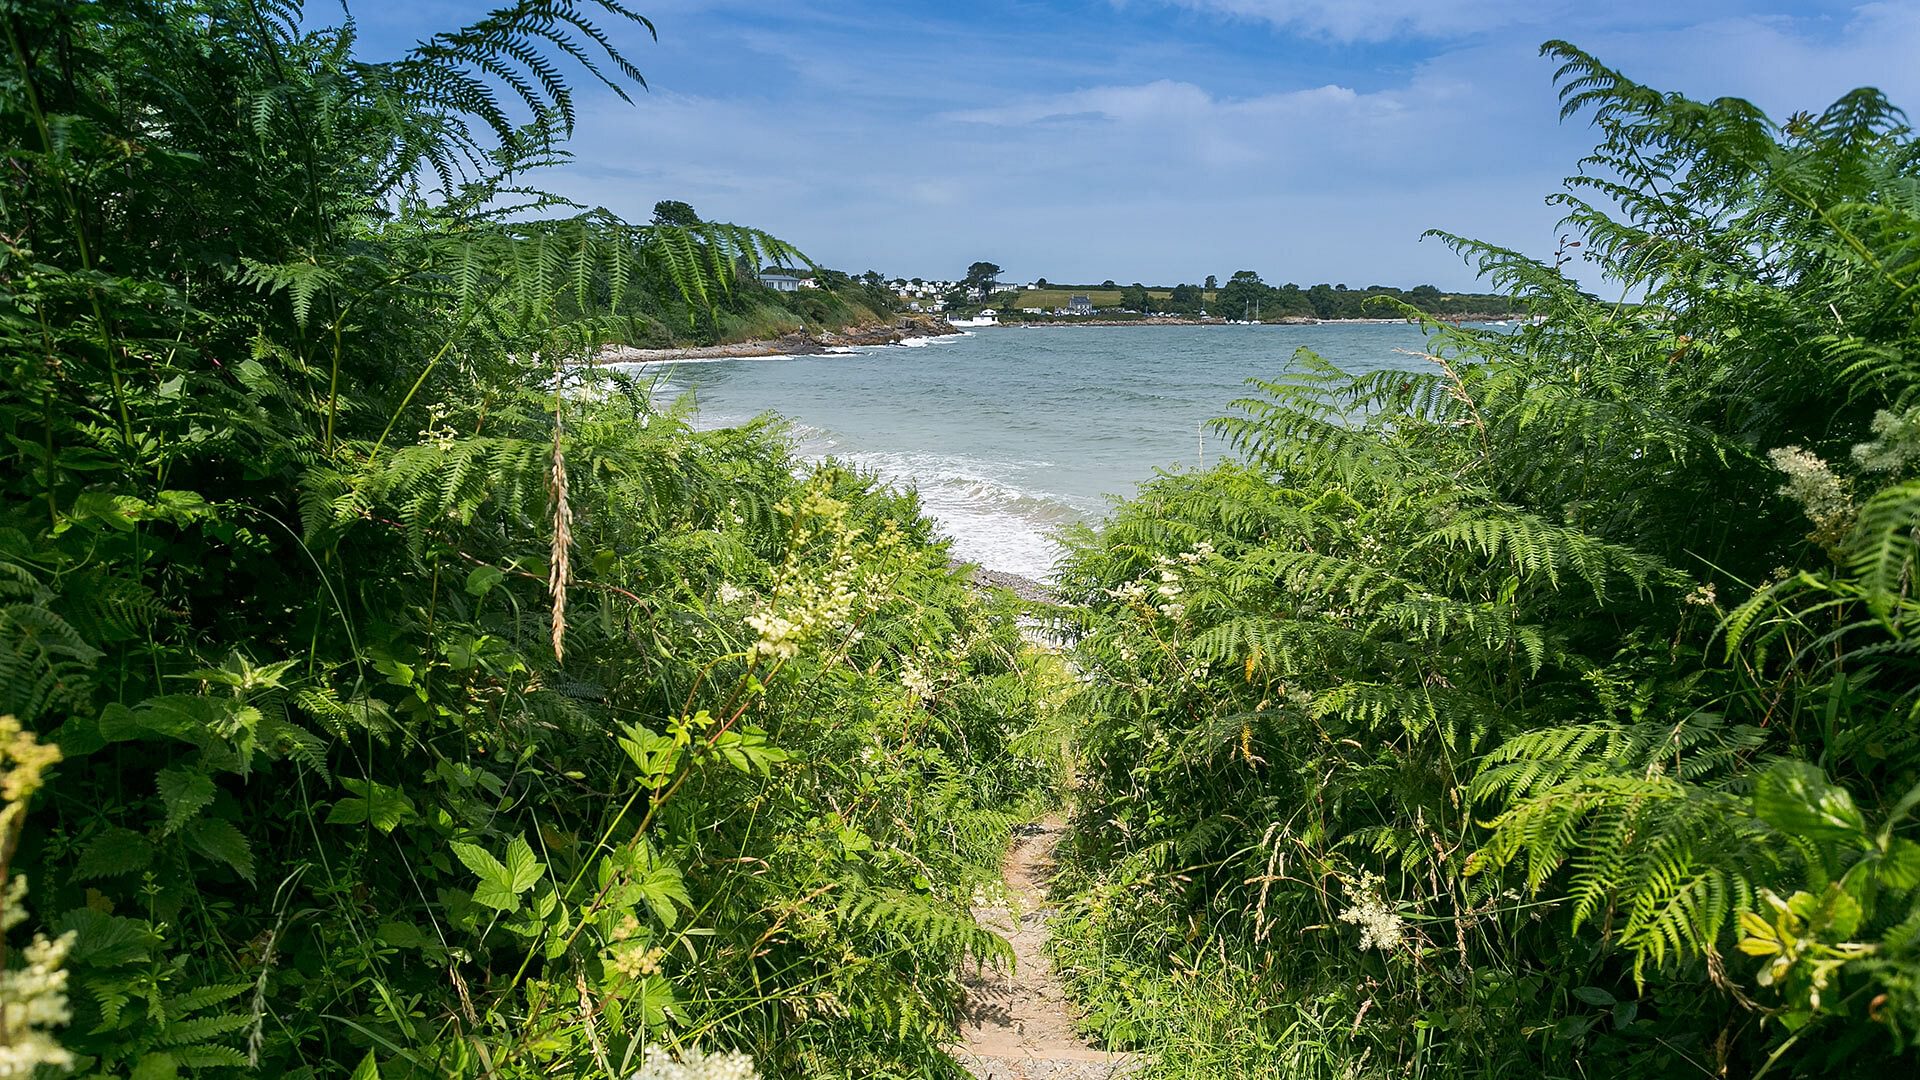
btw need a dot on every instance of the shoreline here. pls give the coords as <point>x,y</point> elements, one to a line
<point>1292,320</point>
<point>1021,586</point>
<point>799,343</point>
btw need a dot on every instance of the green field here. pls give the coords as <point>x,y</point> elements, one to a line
<point>1057,298</point>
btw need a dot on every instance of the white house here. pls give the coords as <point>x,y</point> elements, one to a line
<point>780,282</point>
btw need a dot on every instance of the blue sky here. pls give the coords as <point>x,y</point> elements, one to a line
<point>1157,140</point>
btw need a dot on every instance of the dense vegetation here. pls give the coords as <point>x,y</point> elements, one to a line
<point>429,703</point>
<point>1556,712</point>
<point>746,310</point>
<point>1245,296</point>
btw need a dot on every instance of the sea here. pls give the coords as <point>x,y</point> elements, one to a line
<point>1010,433</point>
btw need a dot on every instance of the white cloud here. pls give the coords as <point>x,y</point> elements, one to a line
<point>1062,158</point>
<point>1164,101</point>
<point>1377,20</point>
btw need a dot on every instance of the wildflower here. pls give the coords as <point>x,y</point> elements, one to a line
<point>695,1065</point>
<point>1173,611</point>
<point>635,962</point>
<point>1896,443</point>
<point>33,996</point>
<point>1380,926</point>
<point>915,680</point>
<point>438,430</point>
<point>731,593</point>
<point>1822,495</point>
<point>779,638</point>
<point>1702,596</point>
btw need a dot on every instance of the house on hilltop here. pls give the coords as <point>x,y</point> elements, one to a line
<point>1080,305</point>
<point>780,282</point>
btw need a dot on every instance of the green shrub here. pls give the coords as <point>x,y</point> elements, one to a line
<point>431,704</point>
<point>1552,712</point>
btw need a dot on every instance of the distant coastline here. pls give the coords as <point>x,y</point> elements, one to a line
<point>909,327</point>
<point>1290,320</point>
<point>904,328</point>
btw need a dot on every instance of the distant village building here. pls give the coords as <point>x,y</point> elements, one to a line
<point>1080,305</point>
<point>780,282</point>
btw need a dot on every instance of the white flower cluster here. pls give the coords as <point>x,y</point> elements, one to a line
<point>695,1065</point>
<point>33,996</point>
<point>1380,926</point>
<point>438,430</point>
<point>1896,443</point>
<point>1822,495</point>
<point>915,680</point>
<point>806,602</point>
<point>731,593</point>
<point>1201,552</point>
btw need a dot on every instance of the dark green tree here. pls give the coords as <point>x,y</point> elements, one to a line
<point>981,278</point>
<point>1241,295</point>
<point>674,212</point>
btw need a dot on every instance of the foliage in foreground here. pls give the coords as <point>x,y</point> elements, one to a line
<point>1553,712</point>
<point>431,705</point>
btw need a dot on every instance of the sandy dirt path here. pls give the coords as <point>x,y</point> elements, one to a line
<point>1018,1024</point>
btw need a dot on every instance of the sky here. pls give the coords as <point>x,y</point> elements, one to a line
<point>1155,140</point>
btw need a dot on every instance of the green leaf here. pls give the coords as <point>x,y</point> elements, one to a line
<point>156,1066</point>
<point>480,861</point>
<point>103,940</point>
<point>523,870</point>
<point>1594,995</point>
<point>218,839</point>
<point>185,792</point>
<point>501,883</point>
<point>386,807</point>
<point>368,1069</point>
<point>1796,798</point>
<point>747,749</point>
<point>1900,866</point>
<point>114,852</point>
<point>483,579</point>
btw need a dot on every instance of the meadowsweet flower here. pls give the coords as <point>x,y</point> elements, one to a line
<point>659,1064</point>
<point>915,680</point>
<point>779,638</point>
<point>1380,926</point>
<point>635,961</point>
<point>1822,495</point>
<point>1896,443</point>
<point>731,593</point>
<point>807,600</point>
<point>1702,596</point>
<point>33,995</point>
<point>438,430</point>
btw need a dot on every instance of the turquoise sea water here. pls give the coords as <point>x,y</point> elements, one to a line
<point>1009,433</point>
